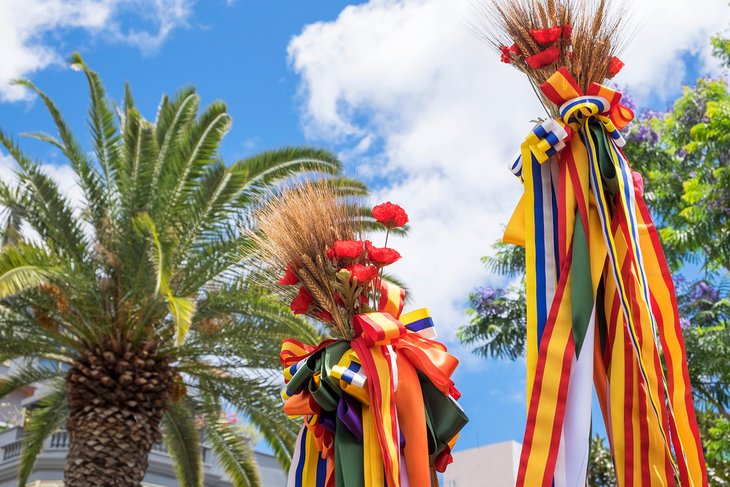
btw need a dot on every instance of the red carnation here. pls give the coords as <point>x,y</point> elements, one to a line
<point>614,66</point>
<point>289,279</point>
<point>567,31</point>
<point>506,57</point>
<point>300,303</point>
<point>390,215</point>
<point>546,36</point>
<point>363,273</point>
<point>324,316</point>
<point>348,248</point>
<point>330,254</point>
<point>509,52</point>
<point>381,256</point>
<point>543,58</point>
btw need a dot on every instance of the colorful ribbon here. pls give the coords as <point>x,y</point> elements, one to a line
<point>378,410</point>
<point>599,295</point>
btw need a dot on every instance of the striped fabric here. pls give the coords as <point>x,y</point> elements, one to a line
<point>601,308</point>
<point>406,406</point>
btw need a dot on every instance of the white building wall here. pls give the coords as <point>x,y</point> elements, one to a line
<point>486,466</point>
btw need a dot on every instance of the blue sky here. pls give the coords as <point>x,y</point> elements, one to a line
<point>411,100</point>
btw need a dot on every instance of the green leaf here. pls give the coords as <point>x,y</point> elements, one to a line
<point>158,257</point>
<point>233,451</point>
<point>23,267</point>
<point>27,375</point>
<point>88,177</point>
<point>46,418</point>
<point>104,131</point>
<point>183,444</point>
<point>183,310</point>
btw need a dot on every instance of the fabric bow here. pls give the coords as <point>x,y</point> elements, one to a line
<point>383,403</point>
<point>600,103</point>
<point>598,295</point>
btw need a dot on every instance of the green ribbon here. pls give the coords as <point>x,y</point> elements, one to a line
<point>444,418</point>
<point>581,285</point>
<point>581,288</point>
<point>349,458</point>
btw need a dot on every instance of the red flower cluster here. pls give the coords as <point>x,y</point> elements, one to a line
<point>614,66</point>
<point>290,278</point>
<point>348,249</point>
<point>300,303</point>
<point>362,273</point>
<point>509,52</point>
<point>381,256</point>
<point>360,258</point>
<point>543,58</point>
<point>390,215</point>
<point>548,37</point>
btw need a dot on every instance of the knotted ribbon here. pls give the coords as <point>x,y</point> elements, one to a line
<point>383,403</point>
<point>594,309</point>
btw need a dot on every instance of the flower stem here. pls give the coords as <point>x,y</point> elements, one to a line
<point>380,279</point>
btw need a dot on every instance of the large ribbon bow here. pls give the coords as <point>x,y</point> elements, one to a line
<point>382,404</point>
<point>599,294</point>
<point>551,136</point>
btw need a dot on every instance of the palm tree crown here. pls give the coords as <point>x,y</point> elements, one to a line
<point>143,293</point>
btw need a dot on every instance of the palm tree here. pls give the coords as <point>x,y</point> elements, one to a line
<point>136,304</point>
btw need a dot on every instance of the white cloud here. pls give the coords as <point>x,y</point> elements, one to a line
<point>442,118</point>
<point>30,30</point>
<point>665,33</point>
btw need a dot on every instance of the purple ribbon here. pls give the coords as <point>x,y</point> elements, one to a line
<point>349,412</point>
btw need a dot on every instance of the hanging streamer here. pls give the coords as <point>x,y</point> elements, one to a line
<point>601,307</point>
<point>379,409</point>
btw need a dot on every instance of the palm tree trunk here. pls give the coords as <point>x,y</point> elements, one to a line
<point>117,397</point>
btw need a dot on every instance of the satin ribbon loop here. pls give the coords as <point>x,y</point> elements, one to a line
<point>378,328</point>
<point>365,396</point>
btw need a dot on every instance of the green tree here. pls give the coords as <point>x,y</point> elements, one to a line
<point>684,155</point>
<point>136,304</point>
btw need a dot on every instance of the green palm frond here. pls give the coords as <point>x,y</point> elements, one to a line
<point>266,169</point>
<point>27,375</point>
<point>173,118</point>
<point>182,310</point>
<point>214,197</point>
<point>88,177</point>
<point>251,304</point>
<point>47,417</point>
<point>233,451</point>
<point>260,403</point>
<point>197,151</point>
<point>158,255</point>
<point>105,134</point>
<point>11,202</point>
<point>25,266</point>
<point>183,444</point>
<point>45,209</point>
<point>140,150</point>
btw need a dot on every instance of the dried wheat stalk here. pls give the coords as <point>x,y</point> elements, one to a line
<point>598,34</point>
<point>294,230</point>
